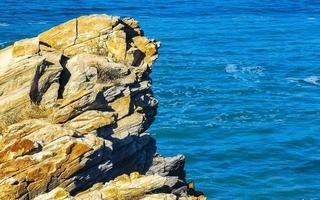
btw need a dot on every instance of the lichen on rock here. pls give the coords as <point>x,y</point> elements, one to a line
<point>75,105</point>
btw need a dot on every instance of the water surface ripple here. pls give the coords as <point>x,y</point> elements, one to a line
<point>238,83</point>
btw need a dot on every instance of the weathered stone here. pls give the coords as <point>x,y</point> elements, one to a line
<point>62,36</point>
<point>5,57</point>
<point>25,48</point>
<point>75,105</point>
<point>90,121</point>
<point>122,106</point>
<point>125,187</point>
<point>171,166</point>
<point>56,194</point>
<point>160,196</point>
<point>19,148</point>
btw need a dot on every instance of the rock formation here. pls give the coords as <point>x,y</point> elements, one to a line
<point>75,105</point>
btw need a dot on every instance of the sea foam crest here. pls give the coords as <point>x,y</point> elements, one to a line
<point>231,68</point>
<point>312,80</point>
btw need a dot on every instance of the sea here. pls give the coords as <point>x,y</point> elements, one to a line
<point>238,83</point>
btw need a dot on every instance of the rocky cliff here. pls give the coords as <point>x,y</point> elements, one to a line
<point>75,105</point>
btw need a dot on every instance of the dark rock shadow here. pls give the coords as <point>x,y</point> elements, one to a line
<point>34,93</point>
<point>130,154</point>
<point>64,77</point>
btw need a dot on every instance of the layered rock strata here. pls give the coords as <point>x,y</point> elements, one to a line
<point>75,105</point>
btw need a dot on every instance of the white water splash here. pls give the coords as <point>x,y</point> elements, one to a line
<point>257,70</point>
<point>245,73</point>
<point>314,80</point>
<point>231,68</point>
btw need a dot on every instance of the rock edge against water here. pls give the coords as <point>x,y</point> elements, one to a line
<point>75,105</point>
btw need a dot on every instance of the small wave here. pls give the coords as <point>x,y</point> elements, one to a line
<point>4,24</point>
<point>231,68</point>
<point>5,44</point>
<point>314,80</point>
<point>245,73</point>
<point>253,70</point>
<point>38,23</point>
<point>311,18</point>
<point>293,80</point>
<point>311,80</point>
<point>313,165</point>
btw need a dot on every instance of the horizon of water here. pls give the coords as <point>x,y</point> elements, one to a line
<point>237,80</point>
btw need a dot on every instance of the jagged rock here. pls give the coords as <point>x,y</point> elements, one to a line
<point>123,187</point>
<point>172,166</point>
<point>75,105</point>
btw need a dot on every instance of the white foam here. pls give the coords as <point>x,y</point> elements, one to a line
<point>312,80</point>
<point>253,70</point>
<point>231,68</point>
<point>293,80</point>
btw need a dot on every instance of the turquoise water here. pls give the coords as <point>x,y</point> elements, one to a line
<point>238,83</point>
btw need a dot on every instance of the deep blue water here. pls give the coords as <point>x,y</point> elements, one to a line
<point>238,83</point>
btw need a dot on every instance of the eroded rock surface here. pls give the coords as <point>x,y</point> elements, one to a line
<point>75,105</point>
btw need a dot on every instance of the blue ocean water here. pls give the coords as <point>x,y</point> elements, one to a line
<point>238,83</point>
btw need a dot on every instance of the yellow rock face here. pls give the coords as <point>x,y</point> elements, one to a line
<point>62,36</point>
<point>116,46</point>
<point>75,103</point>
<point>26,47</point>
<point>19,148</point>
<point>160,196</point>
<point>56,194</point>
<point>90,121</point>
<point>129,187</point>
<point>144,45</point>
<point>5,58</point>
<point>105,35</point>
<point>122,106</point>
<point>62,94</point>
<point>124,187</point>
